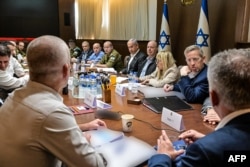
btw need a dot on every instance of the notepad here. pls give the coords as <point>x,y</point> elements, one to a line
<point>173,103</point>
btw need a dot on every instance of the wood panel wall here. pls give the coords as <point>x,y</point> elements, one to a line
<point>224,22</point>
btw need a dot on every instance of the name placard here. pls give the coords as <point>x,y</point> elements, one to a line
<point>103,105</point>
<point>90,99</point>
<point>120,90</point>
<point>172,119</point>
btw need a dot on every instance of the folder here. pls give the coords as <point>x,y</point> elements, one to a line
<point>80,109</point>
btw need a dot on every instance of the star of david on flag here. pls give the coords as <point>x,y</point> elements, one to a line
<point>202,36</point>
<point>164,40</point>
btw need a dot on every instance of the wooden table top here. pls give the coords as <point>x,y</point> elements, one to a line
<point>147,124</point>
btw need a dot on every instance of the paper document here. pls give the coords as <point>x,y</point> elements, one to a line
<point>158,92</point>
<point>120,79</point>
<point>119,150</point>
<point>103,136</point>
<point>127,152</point>
<point>111,70</point>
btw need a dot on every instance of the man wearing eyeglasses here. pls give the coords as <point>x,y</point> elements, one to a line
<point>193,83</point>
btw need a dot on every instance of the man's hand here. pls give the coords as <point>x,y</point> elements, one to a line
<point>185,71</point>
<point>73,60</point>
<point>165,146</point>
<point>211,117</point>
<point>92,125</point>
<point>191,136</point>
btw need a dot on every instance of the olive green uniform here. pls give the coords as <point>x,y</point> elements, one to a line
<point>114,59</point>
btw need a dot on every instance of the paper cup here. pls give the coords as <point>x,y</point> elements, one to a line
<point>127,122</point>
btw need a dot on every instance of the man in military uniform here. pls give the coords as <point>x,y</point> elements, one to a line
<point>75,51</point>
<point>111,58</point>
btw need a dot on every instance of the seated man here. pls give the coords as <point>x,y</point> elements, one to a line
<point>97,55</point>
<point>7,81</point>
<point>36,128</point>
<point>135,58</point>
<point>111,58</point>
<point>193,83</point>
<point>86,52</point>
<point>20,52</point>
<point>149,64</point>
<point>14,68</point>
<point>210,115</point>
<point>75,51</point>
<point>229,80</point>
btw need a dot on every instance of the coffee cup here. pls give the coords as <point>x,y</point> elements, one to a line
<point>127,122</point>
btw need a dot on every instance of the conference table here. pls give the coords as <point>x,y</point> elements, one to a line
<point>147,124</point>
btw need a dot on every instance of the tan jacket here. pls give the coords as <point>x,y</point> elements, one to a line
<point>171,76</point>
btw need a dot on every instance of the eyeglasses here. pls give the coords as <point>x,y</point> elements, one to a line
<point>193,59</point>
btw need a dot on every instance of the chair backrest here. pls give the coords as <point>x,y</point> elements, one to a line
<point>126,59</point>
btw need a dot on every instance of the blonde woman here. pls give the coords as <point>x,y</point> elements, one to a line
<point>166,71</point>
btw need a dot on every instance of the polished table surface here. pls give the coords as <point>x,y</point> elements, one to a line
<point>147,125</point>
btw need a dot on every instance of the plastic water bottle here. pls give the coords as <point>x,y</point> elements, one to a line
<point>135,80</point>
<point>75,85</point>
<point>98,86</point>
<point>93,84</point>
<point>134,88</point>
<point>82,66</point>
<point>130,80</point>
<point>82,86</point>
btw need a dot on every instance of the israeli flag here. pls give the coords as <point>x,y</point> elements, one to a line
<point>202,36</point>
<point>164,40</point>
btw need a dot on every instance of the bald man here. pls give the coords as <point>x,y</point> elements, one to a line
<point>36,128</point>
<point>111,58</point>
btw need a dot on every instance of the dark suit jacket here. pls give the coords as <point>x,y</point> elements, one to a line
<point>89,53</point>
<point>195,90</point>
<point>151,67</point>
<point>209,150</point>
<point>136,62</point>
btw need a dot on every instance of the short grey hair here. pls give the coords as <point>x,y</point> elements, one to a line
<point>229,76</point>
<point>134,41</point>
<point>192,48</point>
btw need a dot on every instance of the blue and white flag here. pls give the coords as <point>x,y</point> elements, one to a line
<point>164,40</point>
<point>202,36</point>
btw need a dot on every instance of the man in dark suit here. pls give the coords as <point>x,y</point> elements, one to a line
<point>135,58</point>
<point>149,64</point>
<point>229,80</point>
<point>86,52</point>
<point>193,83</point>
